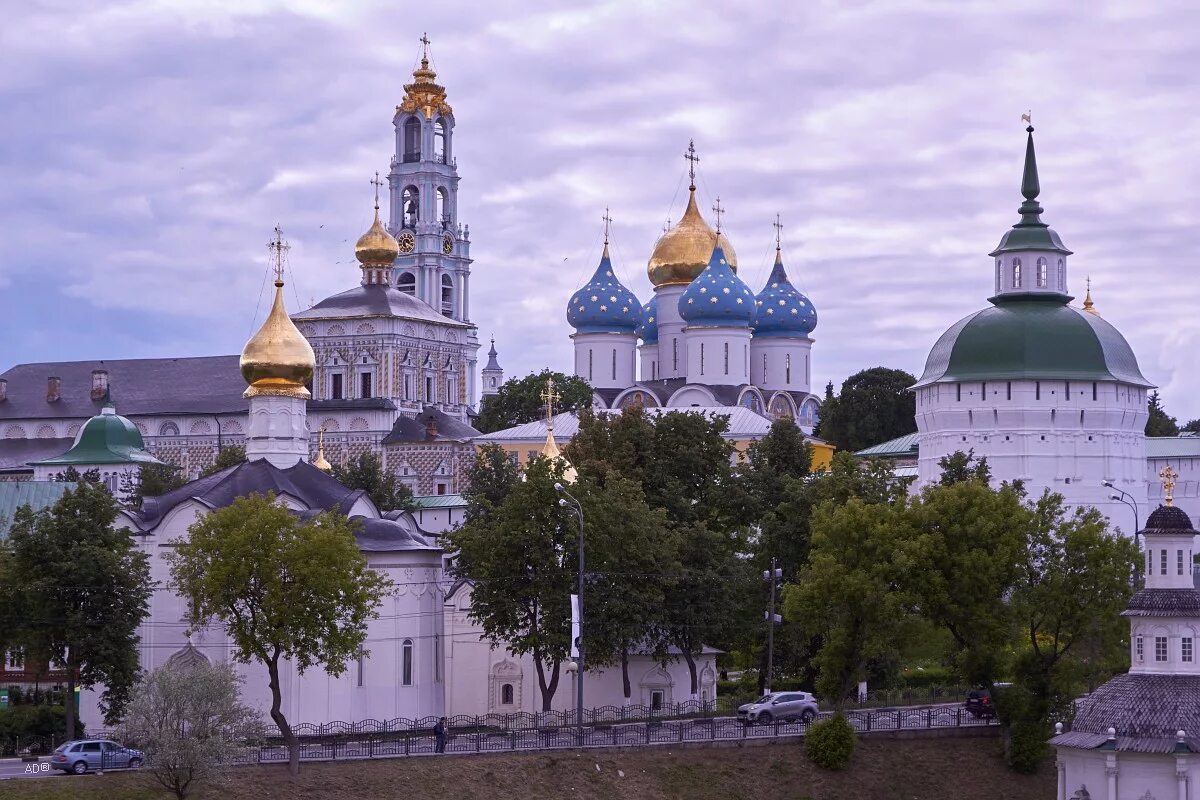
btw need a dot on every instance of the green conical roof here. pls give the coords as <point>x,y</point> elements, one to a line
<point>1030,233</point>
<point>106,438</point>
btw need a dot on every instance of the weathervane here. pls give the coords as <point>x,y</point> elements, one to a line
<point>1168,476</point>
<point>278,248</point>
<point>718,209</point>
<point>691,156</point>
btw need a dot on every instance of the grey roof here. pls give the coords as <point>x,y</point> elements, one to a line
<point>376,301</point>
<point>35,494</point>
<point>440,501</point>
<point>492,362</point>
<point>1186,446</point>
<point>15,454</point>
<point>140,386</point>
<point>314,488</point>
<point>900,446</point>
<point>1168,521</point>
<point>356,404</point>
<point>1146,711</point>
<point>1164,603</point>
<point>416,429</point>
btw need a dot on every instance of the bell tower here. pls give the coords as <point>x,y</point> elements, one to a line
<point>434,263</point>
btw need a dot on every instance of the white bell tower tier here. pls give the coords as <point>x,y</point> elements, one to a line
<point>278,430</point>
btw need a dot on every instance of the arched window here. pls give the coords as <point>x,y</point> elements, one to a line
<point>506,694</point>
<point>443,208</point>
<point>412,140</point>
<point>439,141</point>
<point>447,296</point>
<point>1016,273</point>
<point>406,663</point>
<point>168,429</point>
<point>410,203</point>
<point>1042,269</point>
<point>998,264</point>
<point>407,283</point>
<point>1062,275</point>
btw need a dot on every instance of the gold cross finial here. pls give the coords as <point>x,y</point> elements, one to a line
<point>692,158</point>
<point>607,222</point>
<point>1168,476</point>
<point>778,233</point>
<point>278,247</point>
<point>424,40</point>
<point>718,209</point>
<point>549,396</point>
<point>377,183</point>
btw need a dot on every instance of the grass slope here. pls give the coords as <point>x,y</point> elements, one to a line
<point>883,769</point>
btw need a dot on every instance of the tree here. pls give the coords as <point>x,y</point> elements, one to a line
<point>520,400</point>
<point>521,557</point>
<point>490,478</point>
<point>228,456</point>
<point>1193,426</point>
<point>783,453</point>
<point>72,475</point>
<point>367,473</point>
<point>847,593</point>
<point>188,722</point>
<point>282,588</point>
<point>1159,423</point>
<point>150,480</point>
<point>875,405</point>
<point>960,467</point>
<point>82,589</point>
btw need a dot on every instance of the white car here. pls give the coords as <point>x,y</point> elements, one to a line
<point>780,706</point>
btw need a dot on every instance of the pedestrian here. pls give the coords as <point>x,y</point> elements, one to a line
<point>439,733</point>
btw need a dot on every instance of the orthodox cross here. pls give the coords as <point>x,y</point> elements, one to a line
<point>549,396</point>
<point>607,222</point>
<point>778,232</point>
<point>321,442</point>
<point>377,183</point>
<point>424,40</point>
<point>691,156</point>
<point>1168,476</point>
<point>718,209</point>
<point>278,248</point>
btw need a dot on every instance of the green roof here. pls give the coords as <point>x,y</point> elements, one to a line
<point>1032,339</point>
<point>1185,446</point>
<point>439,501</point>
<point>35,494</point>
<point>1030,233</point>
<point>896,448</point>
<point>106,438</point>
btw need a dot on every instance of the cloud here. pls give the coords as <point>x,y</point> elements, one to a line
<point>150,148</point>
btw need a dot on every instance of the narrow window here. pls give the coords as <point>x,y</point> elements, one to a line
<point>1185,649</point>
<point>408,386</point>
<point>998,267</point>
<point>365,385</point>
<point>1009,390</point>
<point>1068,391</point>
<point>1042,269</point>
<point>335,391</point>
<point>1016,273</point>
<point>1140,649</point>
<point>1179,562</point>
<point>429,398</point>
<point>958,392</point>
<point>1095,391</point>
<point>437,657</point>
<point>589,363</point>
<point>764,375</point>
<point>449,390</point>
<point>727,358</point>
<point>675,355</point>
<point>1037,390</point>
<point>787,368</point>
<point>1160,648</point>
<point>361,657</point>
<point>506,694</point>
<point>702,358</point>
<point>406,663</point>
<point>614,363</point>
<point>1062,275</point>
<point>983,390</point>
<point>1162,562</point>
<point>653,370</point>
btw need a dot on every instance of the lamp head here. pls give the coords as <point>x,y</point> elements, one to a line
<point>571,666</point>
<point>1114,497</point>
<point>562,501</point>
<point>1106,483</point>
<point>558,487</point>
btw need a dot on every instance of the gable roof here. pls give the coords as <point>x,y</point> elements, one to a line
<point>416,429</point>
<point>35,494</point>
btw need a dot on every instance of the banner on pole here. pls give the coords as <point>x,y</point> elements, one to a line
<point>574,626</point>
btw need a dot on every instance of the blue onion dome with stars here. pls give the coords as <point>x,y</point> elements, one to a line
<point>717,297</point>
<point>781,310</point>
<point>647,331</point>
<point>604,305</point>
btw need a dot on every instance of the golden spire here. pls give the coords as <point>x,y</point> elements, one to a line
<point>320,462</point>
<point>1168,476</point>
<point>424,93</point>
<point>376,247</point>
<point>683,252</point>
<point>1088,305</point>
<point>550,448</point>
<point>278,360</point>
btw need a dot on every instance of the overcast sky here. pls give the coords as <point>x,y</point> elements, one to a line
<point>148,148</point>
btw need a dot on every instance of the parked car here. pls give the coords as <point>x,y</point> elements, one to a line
<point>82,755</point>
<point>779,705</point>
<point>979,704</point>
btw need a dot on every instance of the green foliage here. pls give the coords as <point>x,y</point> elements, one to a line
<point>829,743</point>
<point>490,478</point>
<point>189,723</point>
<point>959,467</point>
<point>783,453</point>
<point>228,456</point>
<point>367,473</point>
<point>78,590</point>
<point>151,480</point>
<point>1193,426</point>
<point>519,400</point>
<point>24,721</point>
<point>874,406</point>
<point>282,588</point>
<point>1159,423</point>
<point>72,475</point>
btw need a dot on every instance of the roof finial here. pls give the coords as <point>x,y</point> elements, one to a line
<point>377,183</point>
<point>278,248</point>
<point>778,240</point>
<point>718,209</point>
<point>424,40</point>
<point>1088,305</point>
<point>549,396</point>
<point>1168,476</point>
<point>320,462</point>
<point>692,158</point>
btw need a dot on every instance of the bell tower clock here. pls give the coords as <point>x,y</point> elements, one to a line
<point>435,248</point>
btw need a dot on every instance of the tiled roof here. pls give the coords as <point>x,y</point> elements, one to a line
<point>901,446</point>
<point>36,494</point>
<point>1164,603</point>
<point>1144,709</point>
<point>415,429</point>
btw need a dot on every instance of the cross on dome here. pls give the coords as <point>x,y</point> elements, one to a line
<point>718,210</point>
<point>548,397</point>
<point>377,183</point>
<point>693,159</point>
<point>1168,475</point>
<point>278,247</point>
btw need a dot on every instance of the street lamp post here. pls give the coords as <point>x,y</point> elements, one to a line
<point>578,509</point>
<point>1121,496</point>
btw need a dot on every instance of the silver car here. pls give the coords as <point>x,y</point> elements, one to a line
<point>84,755</point>
<point>780,706</point>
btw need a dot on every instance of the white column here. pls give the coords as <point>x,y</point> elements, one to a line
<point>1181,776</point>
<point>1110,772</point>
<point>1062,778</point>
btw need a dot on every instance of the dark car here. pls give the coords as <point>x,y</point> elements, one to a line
<point>979,704</point>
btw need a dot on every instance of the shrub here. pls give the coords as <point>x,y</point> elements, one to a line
<point>26,721</point>
<point>830,743</point>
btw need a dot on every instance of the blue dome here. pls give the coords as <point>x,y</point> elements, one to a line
<point>648,329</point>
<point>717,296</point>
<point>604,305</point>
<point>780,309</point>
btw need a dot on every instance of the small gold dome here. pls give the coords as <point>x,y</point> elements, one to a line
<point>376,247</point>
<point>683,252</point>
<point>278,360</point>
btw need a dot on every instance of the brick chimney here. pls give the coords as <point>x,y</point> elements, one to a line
<point>3,390</point>
<point>53,390</point>
<point>431,430</point>
<point>99,383</point>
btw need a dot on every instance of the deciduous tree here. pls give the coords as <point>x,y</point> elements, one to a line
<point>367,473</point>
<point>281,588</point>
<point>874,405</point>
<point>150,480</point>
<point>519,400</point>
<point>228,456</point>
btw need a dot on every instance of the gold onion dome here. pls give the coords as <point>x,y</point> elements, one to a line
<point>376,247</point>
<point>278,360</point>
<point>683,252</point>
